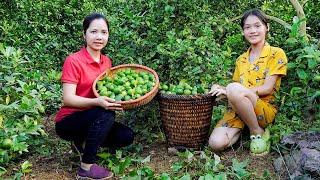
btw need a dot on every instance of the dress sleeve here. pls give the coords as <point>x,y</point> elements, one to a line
<point>236,74</point>
<point>70,71</point>
<point>278,64</point>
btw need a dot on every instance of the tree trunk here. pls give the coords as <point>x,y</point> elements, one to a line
<point>300,13</point>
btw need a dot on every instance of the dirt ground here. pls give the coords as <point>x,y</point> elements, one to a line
<point>62,166</point>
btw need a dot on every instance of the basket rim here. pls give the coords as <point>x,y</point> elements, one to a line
<point>184,97</point>
<point>110,70</point>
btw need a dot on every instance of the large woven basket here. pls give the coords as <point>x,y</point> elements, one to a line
<point>135,102</point>
<point>186,119</point>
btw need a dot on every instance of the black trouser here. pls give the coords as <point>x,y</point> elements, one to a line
<point>96,127</point>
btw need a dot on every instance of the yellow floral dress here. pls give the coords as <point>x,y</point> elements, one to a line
<point>272,61</point>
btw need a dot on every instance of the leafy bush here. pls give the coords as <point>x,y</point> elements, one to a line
<point>300,94</point>
<point>192,40</point>
<point>21,105</point>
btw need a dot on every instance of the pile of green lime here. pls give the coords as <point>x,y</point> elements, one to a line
<point>183,88</point>
<point>127,84</point>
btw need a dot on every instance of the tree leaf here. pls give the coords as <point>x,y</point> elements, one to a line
<point>186,177</point>
<point>312,63</point>
<point>26,167</point>
<point>146,160</point>
<point>221,176</point>
<point>302,74</point>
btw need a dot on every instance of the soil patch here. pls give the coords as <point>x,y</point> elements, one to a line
<point>63,163</point>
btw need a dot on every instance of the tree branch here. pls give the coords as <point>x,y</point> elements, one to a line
<point>278,20</point>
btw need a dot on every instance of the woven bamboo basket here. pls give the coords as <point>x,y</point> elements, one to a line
<point>186,119</point>
<point>131,104</point>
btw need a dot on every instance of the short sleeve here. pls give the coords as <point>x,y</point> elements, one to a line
<point>278,63</point>
<point>70,71</point>
<point>236,74</point>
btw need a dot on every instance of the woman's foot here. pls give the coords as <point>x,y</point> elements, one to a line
<point>94,173</point>
<point>260,144</point>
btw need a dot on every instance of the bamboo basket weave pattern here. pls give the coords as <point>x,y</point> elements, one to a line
<point>186,119</point>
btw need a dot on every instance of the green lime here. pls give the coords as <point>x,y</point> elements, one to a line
<point>108,94</point>
<point>135,75</point>
<point>127,71</point>
<point>108,79</point>
<point>124,93</point>
<point>137,96</point>
<point>7,143</point>
<point>180,86</point>
<point>151,77</point>
<point>163,92</point>
<point>179,91</point>
<point>103,92</point>
<point>117,81</point>
<point>120,73</point>
<point>127,85</point>
<point>110,86</point>
<point>130,91</point>
<point>103,89</point>
<point>145,90</point>
<point>165,87</point>
<point>130,78</point>
<point>187,86</point>
<point>118,97</point>
<point>187,92</point>
<point>138,90</point>
<point>146,77</point>
<point>116,90</point>
<point>100,83</point>
<point>150,86</point>
<point>171,87</point>
<point>317,78</point>
<point>194,88</point>
<point>124,79</point>
<point>140,80</point>
<point>112,96</point>
<point>99,87</point>
<point>127,98</point>
<point>120,81</point>
<point>142,73</point>
<point>121,88</point>
<point>172,92</point>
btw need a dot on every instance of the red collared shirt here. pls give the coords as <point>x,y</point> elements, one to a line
<point>80,69</point>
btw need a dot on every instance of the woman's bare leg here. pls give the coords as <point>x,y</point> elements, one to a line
<point>243,102</point>
<point>223,137</point>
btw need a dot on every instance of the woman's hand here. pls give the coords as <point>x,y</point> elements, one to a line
<point>108,104</point>
<point>219,91</point>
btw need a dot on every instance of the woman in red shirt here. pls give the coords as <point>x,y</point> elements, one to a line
<point>85,120</point>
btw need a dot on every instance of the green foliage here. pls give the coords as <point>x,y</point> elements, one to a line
<point>21,105</point>
<point>299,97</point>
<point>145,121</point>
<point>204,165</point>
<point>25,168</point>
<point>192,40</point>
